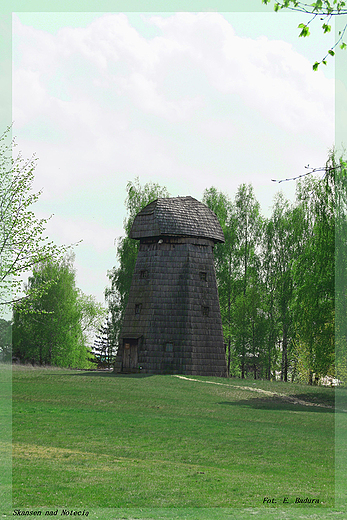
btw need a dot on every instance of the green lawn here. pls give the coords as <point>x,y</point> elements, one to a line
<point>91,440</point>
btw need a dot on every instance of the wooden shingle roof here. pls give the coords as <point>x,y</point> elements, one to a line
<point>177,216</point>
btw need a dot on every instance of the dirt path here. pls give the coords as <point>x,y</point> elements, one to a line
<point>287,398</point>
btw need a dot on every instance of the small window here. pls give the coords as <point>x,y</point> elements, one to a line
<point>205,310</point>
<point>138,308</point>
<point>144,273</point>
<point>203,276</point>
<point>169,347</point>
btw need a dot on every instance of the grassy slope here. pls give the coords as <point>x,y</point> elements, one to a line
<point>92,440</point>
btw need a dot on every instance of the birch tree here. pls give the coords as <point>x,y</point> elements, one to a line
<point>319,11</point>
<point>23,240</point>
<point>53,328</point>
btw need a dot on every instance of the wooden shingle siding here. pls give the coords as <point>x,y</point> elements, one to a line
<point>177,216</point>
<point>176,305</point>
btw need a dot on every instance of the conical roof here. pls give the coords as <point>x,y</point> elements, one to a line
<point>177,216</point>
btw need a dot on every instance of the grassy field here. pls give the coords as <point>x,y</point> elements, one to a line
<point>137,444</point>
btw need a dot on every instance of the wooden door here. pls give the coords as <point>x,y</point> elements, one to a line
<point>130,354</point>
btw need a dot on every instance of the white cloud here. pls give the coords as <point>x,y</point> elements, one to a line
<point>193,106</point>
<point>269,76</point>
<point>109,72</point>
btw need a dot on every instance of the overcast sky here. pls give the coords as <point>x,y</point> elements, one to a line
<point>186,100</point>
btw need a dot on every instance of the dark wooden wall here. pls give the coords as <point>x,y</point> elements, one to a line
<point>173,310</point>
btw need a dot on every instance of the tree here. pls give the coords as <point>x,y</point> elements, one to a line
<point>270,284</point>
<point>103,349</point>
<point>120,277</point>
<point>319,225</point>
<point>339,167</point>
<point>224,256</point>
<point>282,246</point>
<point>258,326</point>
<point>322,10</point>
<point>248,237</point>
<point>313,267</point>
<point>5,340</point>
<point>52,328</point>
<point>22,241</point>
<point>276,278</point>
<point>240,287</point>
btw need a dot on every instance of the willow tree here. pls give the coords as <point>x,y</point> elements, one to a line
<point>339,166</point>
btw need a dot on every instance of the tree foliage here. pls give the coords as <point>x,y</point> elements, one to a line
<point>339,167</point>
<point>313,268</point>
<point>53,328</point>
<point>248,236</point>
<point>23,243</point>
<point>237,265</point>
<point>104,350</point>
<point>5,341</point>
<point>276,279</point>
<point>322,11</point>
<point>226,267</point>
<point>280,246</point>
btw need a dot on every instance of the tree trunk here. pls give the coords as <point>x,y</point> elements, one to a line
<point>253,341</point>
<point>229,356</point>
<point>229,318</point>
<point>284,371</point>
<point>294,371</point>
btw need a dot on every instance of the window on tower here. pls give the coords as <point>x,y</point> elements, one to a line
<point>205,310</point>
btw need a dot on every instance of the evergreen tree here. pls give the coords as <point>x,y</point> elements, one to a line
<point>103,350</point>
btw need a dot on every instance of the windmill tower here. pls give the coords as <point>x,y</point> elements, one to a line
<point>172,323</point>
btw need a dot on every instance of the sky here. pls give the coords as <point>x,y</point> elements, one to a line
<point>185,100</point>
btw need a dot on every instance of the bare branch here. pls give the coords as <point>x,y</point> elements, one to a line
<point>313,170</point>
